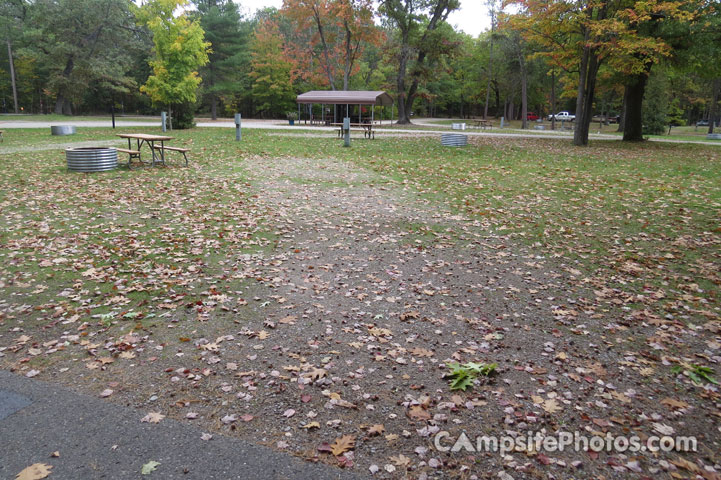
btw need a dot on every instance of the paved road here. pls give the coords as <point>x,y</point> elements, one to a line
<point>274,125</point>
<point>100,440</point>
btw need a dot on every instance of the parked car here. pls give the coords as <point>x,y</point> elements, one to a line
<point>702,123</point>
<point>562,117</point>
<point>532,116</point>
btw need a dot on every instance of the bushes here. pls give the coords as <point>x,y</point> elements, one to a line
<point>183,116</point>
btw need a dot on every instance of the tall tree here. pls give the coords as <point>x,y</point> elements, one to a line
<point>703,56</point>
<point>80,41</point>
<point>644,33</point>
<point>420,43</point>
<point>179,50</point>
<point>492,11</point>
<point>271,71</point>
<point>12,15</point>
<point>228,59</point>
<point>338,31</point>
<point>580,36</point>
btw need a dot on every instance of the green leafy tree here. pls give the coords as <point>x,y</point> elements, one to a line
<point>271,71</point>
<point>12,16</point>
<point>179,50</point>
<point>421,42</point>
<point>656,105</point>
<point>229,59</point>
<point>78,42</point>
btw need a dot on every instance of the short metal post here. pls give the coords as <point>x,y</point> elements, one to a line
<point>346,132</point>
<point>237,127</point>
<point>162,119</point>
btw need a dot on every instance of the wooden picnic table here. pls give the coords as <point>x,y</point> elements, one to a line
<point>483,123</point>
<point>366,127</point>
<point>141,139</point>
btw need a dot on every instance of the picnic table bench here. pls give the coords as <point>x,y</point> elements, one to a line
<point>367,129</point>
<point>483,123</point>
<point>151,141</point>
<point>184,151</point>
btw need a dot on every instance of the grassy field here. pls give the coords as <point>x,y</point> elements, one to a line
<point>651,210</point>
<point>279,274</point>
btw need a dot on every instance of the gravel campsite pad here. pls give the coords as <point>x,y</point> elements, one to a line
<point>314,305</point>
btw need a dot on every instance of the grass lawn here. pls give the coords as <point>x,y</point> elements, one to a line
<point>291,290</point>
<point>642,217</point>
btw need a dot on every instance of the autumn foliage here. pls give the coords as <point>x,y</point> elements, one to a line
<point>330,37</point>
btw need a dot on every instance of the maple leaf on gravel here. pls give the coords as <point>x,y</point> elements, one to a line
<point>342,445</point>
<point>152,417</point>
<point>417,412</point>
<point>376,429</point>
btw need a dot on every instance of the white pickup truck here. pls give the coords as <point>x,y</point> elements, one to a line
<point>562,117</point>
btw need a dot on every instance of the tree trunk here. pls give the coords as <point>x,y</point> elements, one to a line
<point>633,101</point>
<point>553,100</point>
<point>498,97</point>
<point>490,75</point>
<point>524,90</point>
<point>583,124</point>
<point>581,91</point>
<point>213,95</point>
<point>324,44</point>
<point>403,113</point>
<point>586,89</point>
<point>350,54</point>
<point>712,108</point>
<point>62,104</point>
<point>622,120</point>
<point>12,76</point>
<point>213,106</point>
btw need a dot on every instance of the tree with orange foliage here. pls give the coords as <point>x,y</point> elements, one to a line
<point>333,35</point>
<point>270,70</point>
<point>580,36</point>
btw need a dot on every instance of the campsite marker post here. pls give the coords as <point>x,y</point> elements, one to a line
<point>346,132</point>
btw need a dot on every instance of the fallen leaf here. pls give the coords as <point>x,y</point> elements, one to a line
<point>153,417</point>
<point>672,403</point>
<point>401,460</point>
<point>35,471</point>
<point>551,406</point>
<point>149,467</point>
<point>417,412</point>
<point>342,445</point>
<point>376,429</point>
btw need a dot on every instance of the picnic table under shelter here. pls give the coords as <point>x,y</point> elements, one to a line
<point>343,101</point>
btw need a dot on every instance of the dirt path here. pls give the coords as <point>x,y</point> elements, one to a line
<point>374,289</point>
